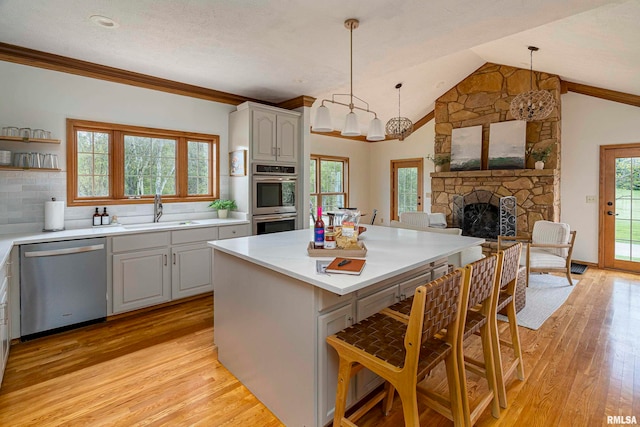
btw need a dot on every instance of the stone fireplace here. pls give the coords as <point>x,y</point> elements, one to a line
<point>483,98</point>
<point>484,214</point>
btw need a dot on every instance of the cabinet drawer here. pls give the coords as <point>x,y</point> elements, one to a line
<point>194,235</point>
<point>231,231</point>
<point>133,242</point>
<point>440,271</point>
<point>328,299</point>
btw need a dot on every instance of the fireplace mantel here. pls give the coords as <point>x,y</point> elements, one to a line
<point>497,172</point>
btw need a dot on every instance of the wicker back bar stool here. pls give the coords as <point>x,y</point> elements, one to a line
<point>512,272</point>
<point>483,291</point>
<point>403,352</point>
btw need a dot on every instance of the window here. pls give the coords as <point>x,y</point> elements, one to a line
<point>119,164</point>
<point>329,178</point>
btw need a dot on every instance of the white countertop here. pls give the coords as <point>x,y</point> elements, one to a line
<point>390,251</point>
<point>7,241</point>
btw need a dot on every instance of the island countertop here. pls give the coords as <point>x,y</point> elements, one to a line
<point>390,251</point>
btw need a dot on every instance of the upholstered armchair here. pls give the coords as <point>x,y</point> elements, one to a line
<point>549,249</point>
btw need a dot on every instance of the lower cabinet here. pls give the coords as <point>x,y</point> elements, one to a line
<point>141,279</point>
<point>329,324</point>
<point>152,268</point>
<point>5,334</point>
<point>190,270</point>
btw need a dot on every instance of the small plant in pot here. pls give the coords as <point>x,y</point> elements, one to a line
<point>541,156</point>
<point>223,206</point>
<point>439,160</point>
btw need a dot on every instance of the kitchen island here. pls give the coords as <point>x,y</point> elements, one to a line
<point>272,310</point>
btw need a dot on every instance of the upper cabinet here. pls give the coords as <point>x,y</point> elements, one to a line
<point>273,134</point>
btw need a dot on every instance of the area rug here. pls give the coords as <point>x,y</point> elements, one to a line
<point>545,294</point>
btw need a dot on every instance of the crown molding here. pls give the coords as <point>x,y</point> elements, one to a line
<point>300,101</point>
<point>49,61</point>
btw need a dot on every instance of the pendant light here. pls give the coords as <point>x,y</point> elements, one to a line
<point>533,105</point>
<point>322,122</point>
<point>399,127</point>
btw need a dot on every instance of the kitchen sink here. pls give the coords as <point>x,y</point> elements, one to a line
<point>158,225</point>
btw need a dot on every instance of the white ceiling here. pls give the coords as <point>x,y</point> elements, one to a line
<point>278,49</point>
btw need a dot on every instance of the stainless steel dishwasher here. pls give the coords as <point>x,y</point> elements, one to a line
<point>62,284</point>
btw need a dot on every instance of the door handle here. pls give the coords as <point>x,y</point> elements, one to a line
<point>611,213</point>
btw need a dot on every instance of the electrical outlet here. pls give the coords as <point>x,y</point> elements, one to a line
<point>592,199</point>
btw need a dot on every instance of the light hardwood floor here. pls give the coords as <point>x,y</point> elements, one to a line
<point>158,368</point>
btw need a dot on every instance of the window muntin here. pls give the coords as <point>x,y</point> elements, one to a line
<point>329,182</point>
<point>121,164</point>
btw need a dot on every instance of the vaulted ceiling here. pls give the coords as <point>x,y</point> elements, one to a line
<point>280,49</point>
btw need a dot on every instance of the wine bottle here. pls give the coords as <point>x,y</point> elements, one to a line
<point>106,219</point>
<point>97,218</point>
<point>318,231</point>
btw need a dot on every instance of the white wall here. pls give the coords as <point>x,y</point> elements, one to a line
<point>587,123</point>
<point>37,98</point>
<point>418,144</point>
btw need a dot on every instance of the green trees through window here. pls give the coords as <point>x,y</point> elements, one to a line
<point>329,182</point>
<point>111,162</point>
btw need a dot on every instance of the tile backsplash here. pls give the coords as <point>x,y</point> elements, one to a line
<point>23,193</point>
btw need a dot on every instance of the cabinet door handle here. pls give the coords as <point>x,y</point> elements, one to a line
<point>278,151</point>
<point>165,259</point>
<point>350,319</point>
<point>174,259</point>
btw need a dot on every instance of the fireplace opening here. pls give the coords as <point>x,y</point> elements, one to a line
<point>484,214</point>
<point>481,220</point>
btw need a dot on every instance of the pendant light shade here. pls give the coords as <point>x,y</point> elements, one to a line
<point>351,125</point>
<point>399,127</point>
<point>376,130</point>
<point>533,105</point>
<point>322,122</point>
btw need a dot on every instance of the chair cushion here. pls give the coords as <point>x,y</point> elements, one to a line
<point>541,258</point>
<point>437,220</point>
<point>554,233</point>
<point>421,219</point>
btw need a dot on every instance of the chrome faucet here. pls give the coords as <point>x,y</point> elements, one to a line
<point>157,208</point>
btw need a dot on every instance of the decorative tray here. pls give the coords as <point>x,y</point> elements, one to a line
<point>355,253</point>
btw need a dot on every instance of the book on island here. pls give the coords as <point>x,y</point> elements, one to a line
<point>346,266</point>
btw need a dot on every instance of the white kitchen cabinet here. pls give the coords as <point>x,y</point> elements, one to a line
<point>231,231</point>
<point>141,279</point>
<point>329,324</point>
<point>190,270</point>
<point>273,134</point>
<point>5,330</point>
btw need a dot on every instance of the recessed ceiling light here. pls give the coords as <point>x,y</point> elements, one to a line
<point>104,21</point>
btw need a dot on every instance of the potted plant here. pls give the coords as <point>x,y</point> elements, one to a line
<point>439,160</point>
<point>541,156</point>
<point>223,206</point>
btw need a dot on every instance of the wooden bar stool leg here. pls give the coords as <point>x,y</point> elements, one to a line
<point>515,338</point>
<point>344,377</point>
<point>459,415</point>
<point>407,393</point>
<point>487,352</point>
<point>387,403</point>
<point>497,356</point>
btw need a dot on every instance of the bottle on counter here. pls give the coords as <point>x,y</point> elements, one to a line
<point>106,219</point>
<point>97,218</point>
<point>318,231</point>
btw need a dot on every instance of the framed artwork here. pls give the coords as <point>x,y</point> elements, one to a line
<point>238,163</point>
<point>507,142</point>
<point>466,148</point>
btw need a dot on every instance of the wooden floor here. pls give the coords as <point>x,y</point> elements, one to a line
<point>158,368</point>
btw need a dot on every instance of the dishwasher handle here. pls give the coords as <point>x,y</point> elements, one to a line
<point>67,251</point>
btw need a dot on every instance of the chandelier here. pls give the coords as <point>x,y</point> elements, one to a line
<point>399,127</point>
<point>535,104</point>
<point>322,122</point>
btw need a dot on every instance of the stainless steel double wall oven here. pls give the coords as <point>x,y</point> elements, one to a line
<point>274,188</point>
